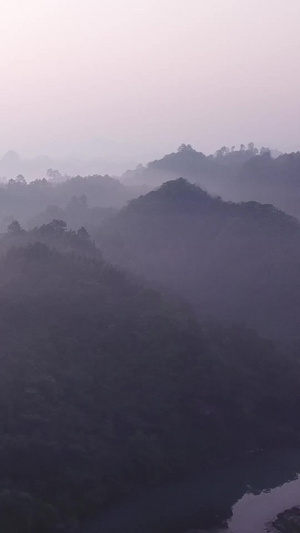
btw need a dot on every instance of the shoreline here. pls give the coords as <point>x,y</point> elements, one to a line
<point>286,522</point>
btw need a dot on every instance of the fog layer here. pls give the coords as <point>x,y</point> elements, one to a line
<point>138,78</point>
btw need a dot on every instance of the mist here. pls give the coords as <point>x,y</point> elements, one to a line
<point>136,80</point>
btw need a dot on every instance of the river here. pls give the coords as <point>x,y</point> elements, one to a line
<point>244,496</point>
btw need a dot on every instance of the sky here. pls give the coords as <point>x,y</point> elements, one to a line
<point>133,79</point>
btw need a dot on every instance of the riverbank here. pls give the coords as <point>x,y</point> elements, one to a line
<point>286,522</point>
<point>242,498</point>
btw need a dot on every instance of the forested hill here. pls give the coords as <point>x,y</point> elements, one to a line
<point>231,260</point>
<point>107,386</point>
<point>22,201</point>
<point>235,174</point>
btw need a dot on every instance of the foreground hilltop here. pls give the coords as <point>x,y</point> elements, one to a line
<point>107,386</point>
<point>237,261</point>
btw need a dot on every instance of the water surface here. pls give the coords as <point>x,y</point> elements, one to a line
<point>244,495</point>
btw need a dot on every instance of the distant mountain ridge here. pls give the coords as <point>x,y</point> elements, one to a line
<point>22,201</point>
<point>236,175</point>
<point>12,164</point>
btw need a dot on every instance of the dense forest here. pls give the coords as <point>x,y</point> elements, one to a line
<point>135,331</point>
<point>237,261</point>
<point>107,385</point>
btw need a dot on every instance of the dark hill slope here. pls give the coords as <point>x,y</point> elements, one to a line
<point>238,261</point>
<point>107,386</point>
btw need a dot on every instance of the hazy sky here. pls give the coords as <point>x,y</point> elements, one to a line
<point>97,77</point>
